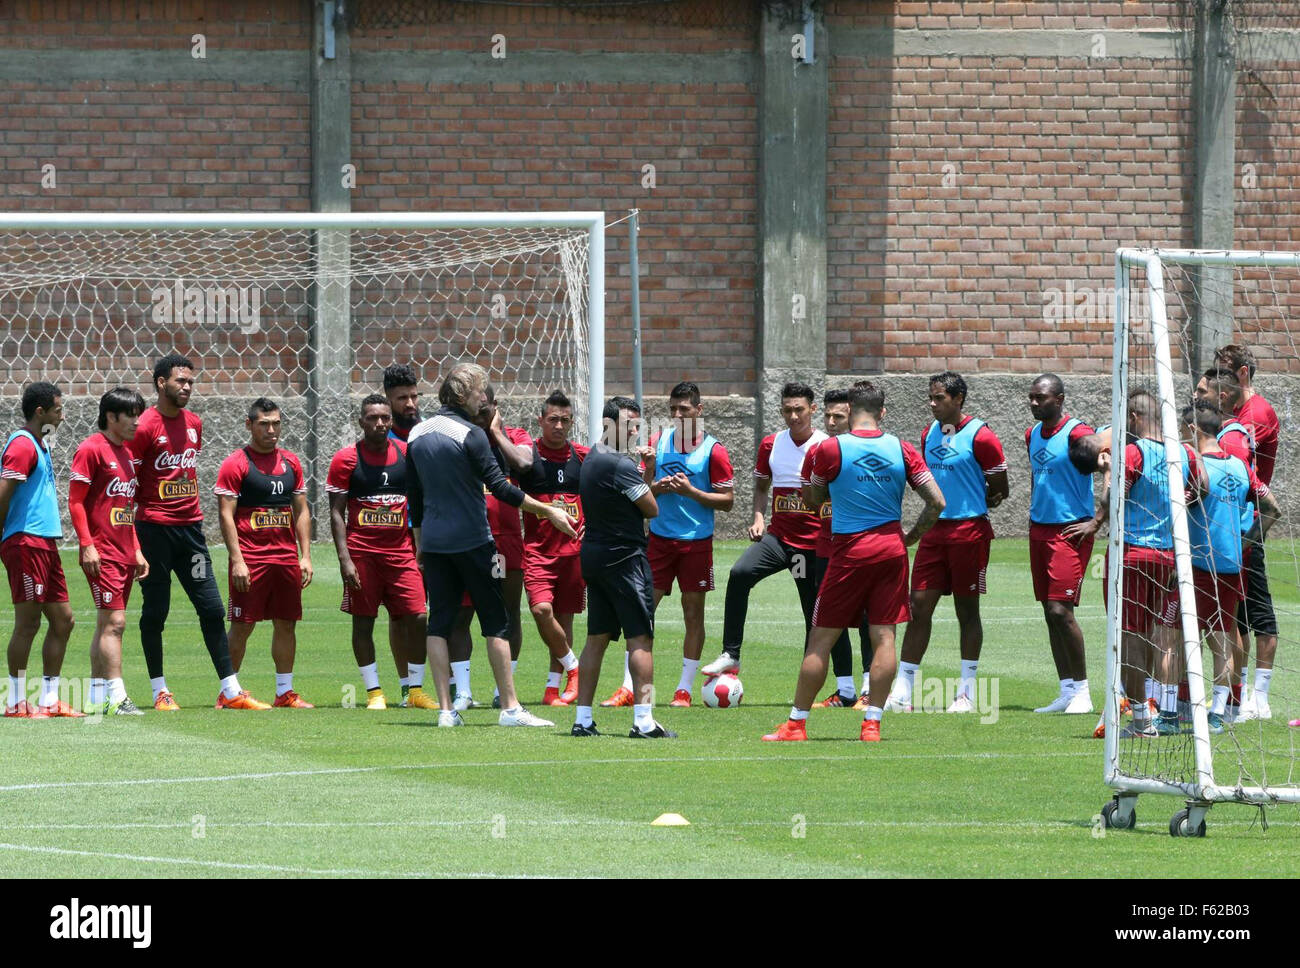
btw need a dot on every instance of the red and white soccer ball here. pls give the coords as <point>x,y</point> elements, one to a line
<point>723,692</point>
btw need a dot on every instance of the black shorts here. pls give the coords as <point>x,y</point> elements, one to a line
<point>620,597</point>
<point>1255,612</point>
<point>448,577</point>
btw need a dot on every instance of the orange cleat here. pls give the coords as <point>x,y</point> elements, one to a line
<point>25,710</point>
<point>291,700</point>
<point>833,701</point>
<point>622,697</point>
<point>792,730</point>
<point>681,699</point>
<point>552,697</point>
<point>870,731</point>
<point>58,709</point>
<point>242,701</point>
<point>570,694</point>
<point>863,702</point>
<point>166,703</point>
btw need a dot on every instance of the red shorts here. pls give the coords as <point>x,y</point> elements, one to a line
<point>558,581</point>
<point>690,562</point>
<point>397,585</point>
<point>852,589</point>
<point>951,567</point>
<point>112,588</point>
<point>274,591</point>
<point>35,574</point>
<point>1217,597</point>
<point>510,546</point>
<point>1058,566</point>
<point>1149,581</point>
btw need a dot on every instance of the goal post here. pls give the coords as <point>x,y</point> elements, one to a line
<point>1173,308</point>
<point>307,309</point>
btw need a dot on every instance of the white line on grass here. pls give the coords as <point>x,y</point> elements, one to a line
<point>494,764</point>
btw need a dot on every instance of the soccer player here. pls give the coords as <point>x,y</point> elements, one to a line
<point>101,504</point>
<point>449,461</point>
<point>552,567</point>
<point>402,390</point>
<point>370,525</point>
<point>789,542</point>
<point>507,535</point>
<point>1255,613</point>
<point>965,456</point>
<point>617,569</point>
<point>690,475</point>
<point>29,512</point>
<point>169,525</point>
<point>863,473</point>
<point>266,524</point>
<point>1062,525</point>
<point>1221,486</point>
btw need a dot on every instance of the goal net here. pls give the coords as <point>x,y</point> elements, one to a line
<point>1195,708</point>
<point>307,310</point>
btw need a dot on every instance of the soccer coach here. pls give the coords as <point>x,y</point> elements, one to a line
<point>449,461</point>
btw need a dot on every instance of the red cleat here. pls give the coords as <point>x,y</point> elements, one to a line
<point>870,731</point>
<point>570,694</point>
<point>242,701</point>
<point>792,730</point>
<point>24,710</point>
<point>291,700</point>
<point>681,699</point>
<point>622,697</point>
<point>58,710</point>
<point>552,697</point>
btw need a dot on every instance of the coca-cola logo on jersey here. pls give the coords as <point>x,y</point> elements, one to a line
<point>120,488</point>
<point>188,459</point>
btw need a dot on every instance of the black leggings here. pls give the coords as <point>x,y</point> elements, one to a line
<point>761,559</point>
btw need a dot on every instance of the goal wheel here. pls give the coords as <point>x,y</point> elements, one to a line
<point>1181,825</point>
<point>1112,818</point>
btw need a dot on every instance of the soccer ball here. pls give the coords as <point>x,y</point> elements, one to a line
<point>722,692</point>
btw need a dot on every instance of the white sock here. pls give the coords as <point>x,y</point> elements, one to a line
<point>159,685</point>
<point>49,690</point>
<point>116,690</point>
<point>1245,674</point>
<point>370,676</point>
<point>643,717</point>
<point>1263,679</point>
<point>866,683</point>
<point>1151,687</point>
<point>415,675</point>
<point>1169,698</point>
<point>798,714</point>
<point>283,682</point>
<point>906,681</point>
<point>404,681</point>
<point>552,680</point>
<point>17,689</point>
<point>460,676</point>
<point>229,687</point>
<point>689,668</point>
<point>584,716</point>
<point>569,661</point>
<point>968,667</point>
<point>1220,702</point>
<point>627,672</point>
<point>96,691</point>
<point>844,685</point>
<point>873,712</point>
<point>1067,687</point>
<point>1080,687</point>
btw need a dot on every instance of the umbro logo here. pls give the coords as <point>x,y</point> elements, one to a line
<point>871,462</point>
<point>1231,484</point>
<point>943,452</point>
<point>1042,457</point>
<point>674,467</point>
<point>163,440</point>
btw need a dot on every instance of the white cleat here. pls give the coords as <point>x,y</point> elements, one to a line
<point>520,716</point>
<point>447,718</point>
<point>962,704</point>
<point>1080,702</point>
<point>461,703</point>
<point>1254,708</point>
<point>895,704</point>
<point>1139,727</point>
<point>1057,705</point>
<point>723,663</point>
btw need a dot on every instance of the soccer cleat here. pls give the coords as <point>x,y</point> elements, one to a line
<point>863,702</point>
<point>166,703</point>
<point>962,704</point>
<point>1139,727</point>
<point>519,716</point>
<point>836,701</point>
<point>580,730</point>
<point>870,732</point>
<point>723,663</point>
<point>1168,725</point>
<point>405,692</point>
<point>1100,731</point>
<point>1255,708</point>
<point>1057,705</point>
<point>417,698</point>
<point>551,697</point>
<point>59,710</point>
<point>656,732</point>
<point>895,704</point>
<point>1216,722</point>
<point>291,700</point>
<point>681,699</point>
<point>449,718</point>
<point>124,708</point>
<point>570,694</point>
<point>496,700</point>
<point>243,701</point>
<point>791,731</point>
<point>1080,702</point>
<point>376,700</point>
<point>622,697</point>
<point>24,710</point>
<point>461,703</point>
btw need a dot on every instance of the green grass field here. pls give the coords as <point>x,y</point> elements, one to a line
<point>345,792</point>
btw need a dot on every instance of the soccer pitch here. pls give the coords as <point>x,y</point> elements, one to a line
<point>346,792</point>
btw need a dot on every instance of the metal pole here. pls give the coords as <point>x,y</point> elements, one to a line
<point>634,268</point>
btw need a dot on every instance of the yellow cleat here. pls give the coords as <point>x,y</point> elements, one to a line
<point>375,700</point>
<point>418,698</point>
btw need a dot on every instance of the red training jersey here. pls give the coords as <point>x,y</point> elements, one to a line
<point>1259,417</point>
<point>780,460</point>
<point>541,539</point>
<point>377,519</point>
<point>166,451</point>
<point>502,517</point>
<point>263,486</point>
<point>106,473</point>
